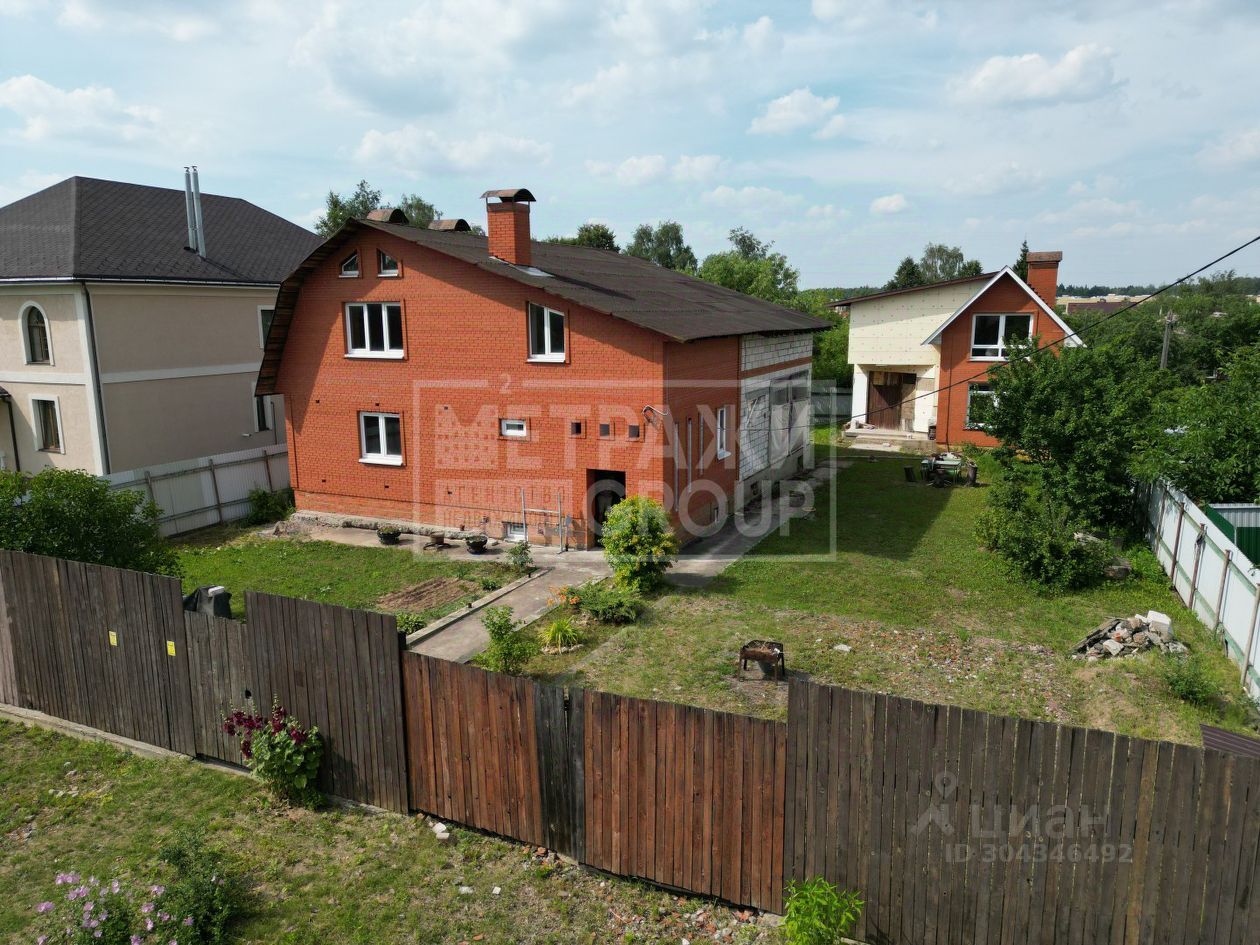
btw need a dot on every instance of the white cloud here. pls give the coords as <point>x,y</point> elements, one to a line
<point>798,109</point>
<point>754,199</point>
<point>760,35</point>
<point>633,170</point>
<point>413,150</point>
<point>697,167</point>
<point>88,113</point>
<point>1240,148</point>
<point>890,203</point>
<point>1083,73</point>
<point>87,15</point>
<point>834,127</point>
<point>653,27</point>
<point>997,179</point>
<point>1089,210</point>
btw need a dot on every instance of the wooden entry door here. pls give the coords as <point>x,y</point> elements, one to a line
<point>888,403</point>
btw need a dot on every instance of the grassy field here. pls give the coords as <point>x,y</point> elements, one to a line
<point>926,612</point>
<point>323,571</point>
<point>332,876</point>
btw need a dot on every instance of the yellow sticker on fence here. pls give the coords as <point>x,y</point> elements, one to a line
<point>170,647</point>
<point>113,638</point>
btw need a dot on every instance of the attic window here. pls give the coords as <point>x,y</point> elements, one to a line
<point>350,266</point>
<point>990,335</point>
<point>386,265</point>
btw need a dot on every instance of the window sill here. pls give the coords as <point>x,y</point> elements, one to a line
<point>348,275</point>
<point>388,275</point>
<point>381,460</point>
<point>546,359</point>
<point>723,454</point>
<point>49,449</point>
<point>994,359</point>
<point>376,355</point>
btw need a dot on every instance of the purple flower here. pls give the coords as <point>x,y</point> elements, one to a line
<point>44,907</point>
<point>188,920</point>
<point>147,908</point>
<point>137,940</point>
<point>41,940</point>
<point>157,890</point>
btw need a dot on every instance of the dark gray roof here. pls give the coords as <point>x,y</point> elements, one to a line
<point>674,304</point>
<point>84,228</point>
<point>842,303</point>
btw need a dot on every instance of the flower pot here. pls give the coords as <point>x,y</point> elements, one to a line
<point>477,544</point>
<point>388,537</point>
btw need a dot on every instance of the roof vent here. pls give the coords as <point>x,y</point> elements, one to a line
<point>454,224</point>
<point>388,215</point>
<point>510,195</point>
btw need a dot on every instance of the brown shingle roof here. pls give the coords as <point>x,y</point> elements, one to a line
<point>674,304</point>
<point>84,228</point>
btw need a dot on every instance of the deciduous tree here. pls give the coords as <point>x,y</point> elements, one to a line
<point>664,245</point>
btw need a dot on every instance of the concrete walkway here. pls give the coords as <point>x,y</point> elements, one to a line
<point>462,639</point>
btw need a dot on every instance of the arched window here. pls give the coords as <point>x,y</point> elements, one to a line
<point>38,350</point>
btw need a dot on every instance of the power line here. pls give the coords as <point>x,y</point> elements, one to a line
<point>1076,334</point>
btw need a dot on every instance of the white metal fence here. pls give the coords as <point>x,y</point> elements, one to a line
<point>194,493</point>
<point>1212,577</point>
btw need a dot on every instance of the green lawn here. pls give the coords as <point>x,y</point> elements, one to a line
<point>324,571</point>
<point>927,612</point>
<point>332,876</point>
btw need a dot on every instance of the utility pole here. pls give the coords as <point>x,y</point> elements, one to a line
<point>1169,319</point>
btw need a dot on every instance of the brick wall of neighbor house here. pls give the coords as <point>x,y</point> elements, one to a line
<point>465,368</point>
<point>701,377</point>
<point>958,370</point>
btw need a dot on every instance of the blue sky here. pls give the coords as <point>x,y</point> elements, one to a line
<point>850,132</point>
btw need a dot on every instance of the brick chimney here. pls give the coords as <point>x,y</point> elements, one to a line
<point>507,224</point>
<point>1043,275</point>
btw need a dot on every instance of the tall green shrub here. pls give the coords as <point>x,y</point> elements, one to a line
<point>71,514</point>
<point>639,542</point>
<point>510,648</point>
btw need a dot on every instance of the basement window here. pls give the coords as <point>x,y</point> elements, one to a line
<point>515,531</point>
<point>632,431</point>
<point>516,428</point>
<point>380,439</point>
<point>605,429</point>
<point>546,333</point>
<point>576,427</point>
<point>386,265</point>
<point>990,335</point>
<point>350,266</point>
<point>374,330</point>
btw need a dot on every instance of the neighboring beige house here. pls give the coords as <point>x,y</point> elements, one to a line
<point>121,346</point>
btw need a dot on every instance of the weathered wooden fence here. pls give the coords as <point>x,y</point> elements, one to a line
<point>959,826</point>
<point>331,667</point>
<point>954,825</point>
<point>115,650</point>
<point>98,646</point>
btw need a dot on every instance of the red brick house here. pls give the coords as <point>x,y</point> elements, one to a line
<point>921,356</point>
<point>493,383</point>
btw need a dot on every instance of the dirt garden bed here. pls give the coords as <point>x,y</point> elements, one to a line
<point>427,595</point>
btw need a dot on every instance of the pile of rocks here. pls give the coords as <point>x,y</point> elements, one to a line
<point>1124,636</point>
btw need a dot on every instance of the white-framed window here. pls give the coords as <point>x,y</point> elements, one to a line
<point>380,439</point>
<point>266,315</point>
<point>35,333</point>
<point>350,266</point>
<point>47,414</point>
<point>374,330</point>
<point>516,428</point>
<point>515,531</point>
<point>979,400</point>
<point>264,413</point>
<point>990,335</point>
<point>386,265</point>
<point>720,434</point>
<point>546,333</point>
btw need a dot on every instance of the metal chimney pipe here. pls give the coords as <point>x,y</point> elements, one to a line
<point>201,232</point>
<point>188,209</point>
